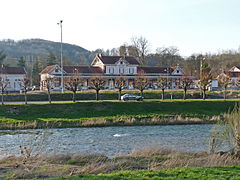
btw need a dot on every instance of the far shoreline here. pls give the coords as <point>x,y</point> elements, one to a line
<point>109,123</point>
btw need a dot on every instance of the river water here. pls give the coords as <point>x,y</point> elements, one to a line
<point>106,140</point>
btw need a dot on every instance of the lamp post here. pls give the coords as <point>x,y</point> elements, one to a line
<point>201,69</point>
<point>167,78</point>
<point>60,24</point>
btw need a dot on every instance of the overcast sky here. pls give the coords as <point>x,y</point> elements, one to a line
<point>194,26</point>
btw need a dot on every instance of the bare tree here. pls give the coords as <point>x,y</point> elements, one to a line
<point>97,83</point>
<point>132,51</point>
<point>224,81</point>
<point>186,83</point>
<point>142,46</point>
<point>24,83</point>
<point>162,83</point>
<point>120,83</point>
<point>72,84</point>
<point>4,82</point>
<point>49,84</point>
<point>167,56</point>
<point>141,82</point>
<point>204,82</point>
<point>123,50</point>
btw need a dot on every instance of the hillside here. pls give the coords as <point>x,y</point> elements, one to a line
<point>40,47</point>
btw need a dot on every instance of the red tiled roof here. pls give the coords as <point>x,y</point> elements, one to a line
<point>12,70</point>
<point>155,70</point>
<point>230,70</point>
<point>47,69</point>
<point>114,59</point>
<point>82,69</point>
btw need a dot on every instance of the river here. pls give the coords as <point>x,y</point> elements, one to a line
<point>106,140</point>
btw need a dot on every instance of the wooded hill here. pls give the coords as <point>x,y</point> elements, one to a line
<point>33,48</point>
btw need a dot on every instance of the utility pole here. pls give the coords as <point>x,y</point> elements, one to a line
<point>60,23</point>
<point>201,68</point>
<point>167,77</point>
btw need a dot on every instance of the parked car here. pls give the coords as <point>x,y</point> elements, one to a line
<point>127,97</point>
<point>35,88</point>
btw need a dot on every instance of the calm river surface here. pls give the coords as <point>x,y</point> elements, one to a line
<point>107,140</point>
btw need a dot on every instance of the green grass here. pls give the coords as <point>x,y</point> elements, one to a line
<point>110,110</point>
<point>208,173</point>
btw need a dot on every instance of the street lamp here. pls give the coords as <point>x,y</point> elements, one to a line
<point>60,23</point>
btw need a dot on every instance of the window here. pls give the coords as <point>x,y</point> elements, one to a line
<point>111,70</point>
<point>131,70</point>
<point>121,70</point>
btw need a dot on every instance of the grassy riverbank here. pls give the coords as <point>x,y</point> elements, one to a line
<point>142,164</point>
<point>203,173</point>
<point>108,113</point>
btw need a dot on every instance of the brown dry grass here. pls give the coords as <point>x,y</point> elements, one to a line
<point>147,158</point>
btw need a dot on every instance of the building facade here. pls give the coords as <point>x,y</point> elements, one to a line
<point>13,76</point>
<point>110,68</point>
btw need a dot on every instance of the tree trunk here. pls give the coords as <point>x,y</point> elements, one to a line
<point>119,94</point>
<point>2,99</point>
<point>162,94</point>
<point>97,92</point>
<point>225,93</point>
<point>49,97</point>
<point>142,93</point>
<point>185,93</point>
<point>204,94</point>
<point>25,96</point>
<point>73,98</point>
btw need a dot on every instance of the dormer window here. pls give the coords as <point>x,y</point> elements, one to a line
<point>177,71</point>
<point>121,62</point>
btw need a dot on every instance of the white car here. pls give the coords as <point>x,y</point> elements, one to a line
<point>127,97</point>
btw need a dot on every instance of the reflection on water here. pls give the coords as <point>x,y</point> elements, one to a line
<point>108,140</point>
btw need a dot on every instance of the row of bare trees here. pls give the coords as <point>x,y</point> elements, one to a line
<point>141,82</point>
<point>75,83</point>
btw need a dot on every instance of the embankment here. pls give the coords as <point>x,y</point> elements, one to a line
<point>112,113</point>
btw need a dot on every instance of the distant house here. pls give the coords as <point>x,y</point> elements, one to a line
<point>15,75</point>
<point>111,67</point>
<point>234,74</point>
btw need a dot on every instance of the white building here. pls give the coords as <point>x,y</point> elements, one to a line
<point>13,76</point>
<point>111,67</point>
